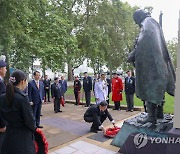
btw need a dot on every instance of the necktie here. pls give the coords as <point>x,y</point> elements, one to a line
<point>37,84</point>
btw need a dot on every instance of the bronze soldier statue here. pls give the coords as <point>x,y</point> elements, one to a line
<point>155,74</point>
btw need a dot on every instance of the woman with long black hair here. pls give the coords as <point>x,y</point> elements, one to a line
<point>16,110</point>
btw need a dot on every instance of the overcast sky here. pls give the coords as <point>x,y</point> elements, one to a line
<point>170,9</point>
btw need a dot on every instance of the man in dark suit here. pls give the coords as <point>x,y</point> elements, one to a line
<point>47,83</point>
<point>2,90</point>
<point>63,85</point>
<point>87,86</point>
<point>77,90</point>
<point>129,91</point>
<point>36,96</point>
<point>97,114</point>
<point>57,94</point>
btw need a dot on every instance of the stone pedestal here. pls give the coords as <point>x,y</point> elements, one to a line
<point>135,138</point>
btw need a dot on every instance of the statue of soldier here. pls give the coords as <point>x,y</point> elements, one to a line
<point>155,74</point>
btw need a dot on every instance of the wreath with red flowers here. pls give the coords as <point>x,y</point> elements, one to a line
<point>111,132</point>
<point>41,144</point>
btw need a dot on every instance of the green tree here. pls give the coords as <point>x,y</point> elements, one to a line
<point>172,48</point>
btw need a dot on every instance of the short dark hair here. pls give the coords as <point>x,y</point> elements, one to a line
<point>35,72</point>
<point>56,78</point>
<point>104,103</point>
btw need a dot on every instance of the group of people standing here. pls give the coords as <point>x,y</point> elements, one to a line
<point>17,122</point>
<point>20,108</point>
<point>102,87</point>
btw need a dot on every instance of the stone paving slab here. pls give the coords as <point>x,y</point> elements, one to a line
<point>72,126</point>
<point>98,137</point>
<point>81,147</point>
<point>68,126</point>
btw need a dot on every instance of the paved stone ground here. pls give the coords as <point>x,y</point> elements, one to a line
<point>66,131</point>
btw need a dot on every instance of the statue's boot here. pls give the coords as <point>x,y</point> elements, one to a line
<point>159,111</point>
<point>151,117</point>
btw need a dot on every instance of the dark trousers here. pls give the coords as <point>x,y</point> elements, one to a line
<point>108,99</point>
<point>1,140</point>
<point>95,125</point>
<point>36,112</point>
<point>130,102</point>
<point>56,104</point>
<point>117,105</point>
<point>76,94</point>
<point>47,93</point>
<point>88,98</point>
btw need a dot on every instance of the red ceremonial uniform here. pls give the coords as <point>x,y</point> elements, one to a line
<point>117,88</point>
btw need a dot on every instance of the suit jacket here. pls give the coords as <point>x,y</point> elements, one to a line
<point>35,95</point>
<point>87,84</point>
<point>94,111</point>
<point>130,85</point>
<point>63,85</point>
<point>2,91</point>
<point>47,84</point>
<point>56,91</point>
<point>21,124</point>
<point>2,87</point>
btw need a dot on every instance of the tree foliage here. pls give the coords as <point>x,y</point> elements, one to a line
<point>66,32</point>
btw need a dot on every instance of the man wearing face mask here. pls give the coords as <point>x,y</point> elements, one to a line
<point>155,74</point>
<point>97,114</point>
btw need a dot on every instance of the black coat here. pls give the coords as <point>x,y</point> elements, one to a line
<point>94,111</point>
<point>56,91</point>
<point>2,90</point>
<point>2,87</point>
<point>130,85</point>
<point>77,85</point>
<point>19,136</point>
<point>87,84</point>
<point>47,84</point>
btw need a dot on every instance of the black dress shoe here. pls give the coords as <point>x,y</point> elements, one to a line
<point>41,115</point>
<point>59,111</point>
<point>93,131</point>
<point>39,126</point>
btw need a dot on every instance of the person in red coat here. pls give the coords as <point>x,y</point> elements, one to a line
<point>117,88</point>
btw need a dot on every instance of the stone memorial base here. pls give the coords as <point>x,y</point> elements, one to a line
<point>135,138</point>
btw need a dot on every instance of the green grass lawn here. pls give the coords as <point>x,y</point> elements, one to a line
<point>168,107</point>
